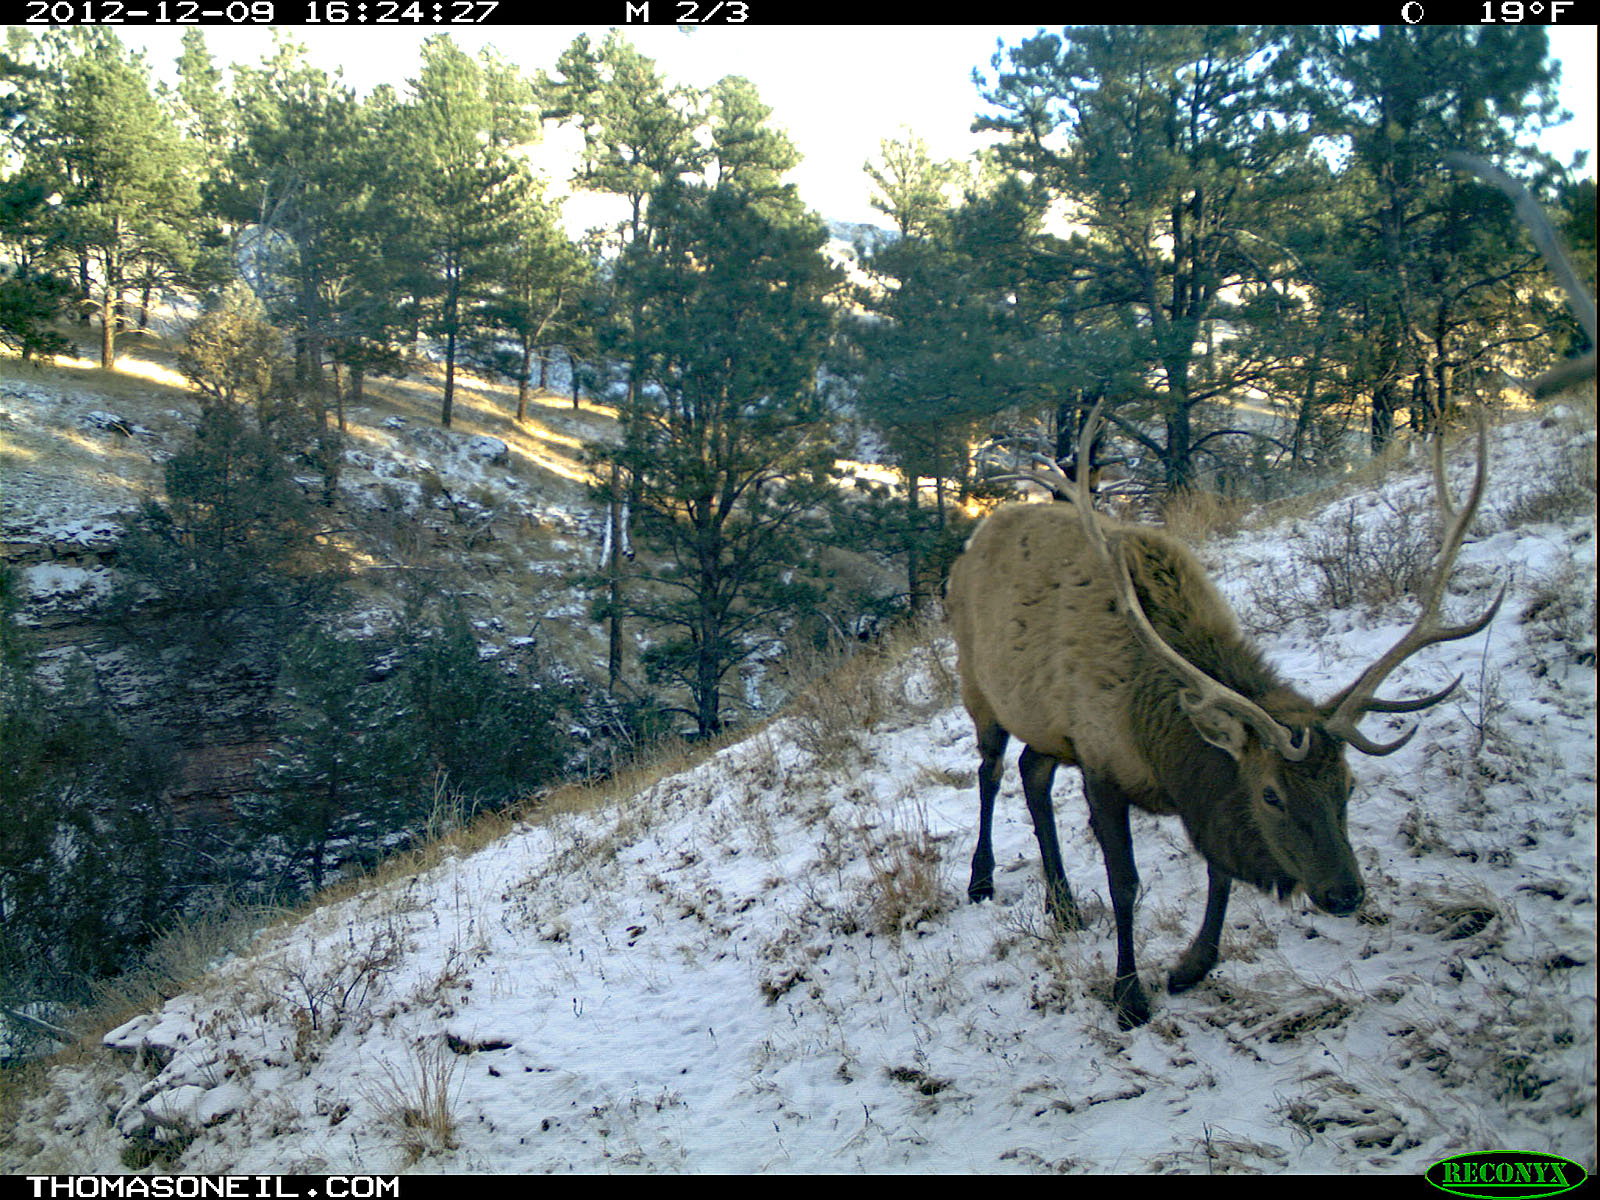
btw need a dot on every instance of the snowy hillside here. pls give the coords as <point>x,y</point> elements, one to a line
<point>766,962</point>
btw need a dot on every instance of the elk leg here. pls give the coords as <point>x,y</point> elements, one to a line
<point>992,746</point>
<point>1108,812</point>
<point>1201,955</point>
<point>1038,772</point>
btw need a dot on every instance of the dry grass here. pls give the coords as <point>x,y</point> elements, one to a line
<point>907,872</point>
<point>848,690</point>
<point>415,1102</point>
<point>1197,516</point>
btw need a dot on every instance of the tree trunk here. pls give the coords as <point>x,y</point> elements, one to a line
<point>449,378</point>
<point>111,296</point>
<point>108,329</point>
<point>913,544</point>
<point>452,310</point>
<point>1180,447</point>
<point>1383,410</point>
<point>614,587</point>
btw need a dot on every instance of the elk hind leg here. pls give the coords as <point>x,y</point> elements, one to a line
<point>1038,773</point>
<point>992,748</point>
<point>1202,953</point>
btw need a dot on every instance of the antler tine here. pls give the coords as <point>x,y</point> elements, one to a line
<point>1544,237</point>
<point>1206,692</point>
<point>1051,477</point>
<point>1555,257</point>
<point>1347,708</point>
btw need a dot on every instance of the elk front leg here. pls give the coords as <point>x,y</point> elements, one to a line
<point>1038,772</point>
<point>992,747</point>
<point>1202,953</point>
<point>1108,812</point>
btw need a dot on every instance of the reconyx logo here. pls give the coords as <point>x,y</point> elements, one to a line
<point>1505,1174</point>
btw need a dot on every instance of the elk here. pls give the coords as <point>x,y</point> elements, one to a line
<point>1104,645</point>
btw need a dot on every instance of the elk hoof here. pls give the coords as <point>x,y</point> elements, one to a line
<point>1132,1005</point>
<point>980,890</point>
<point>1191,969</point>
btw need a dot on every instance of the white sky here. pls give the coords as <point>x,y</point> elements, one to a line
<point>838,89</point>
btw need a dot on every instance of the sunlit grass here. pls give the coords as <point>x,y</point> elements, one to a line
<point>135,368</point>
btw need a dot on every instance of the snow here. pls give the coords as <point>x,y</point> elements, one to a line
<point>710,976</point>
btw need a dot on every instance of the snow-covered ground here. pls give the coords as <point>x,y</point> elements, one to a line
<point>766,962</point>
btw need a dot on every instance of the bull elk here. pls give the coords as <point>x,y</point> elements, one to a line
<point>1104,645</point>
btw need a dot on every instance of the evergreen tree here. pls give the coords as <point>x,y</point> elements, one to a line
<point>129,205</point>
<point>85,874</point>
<point>941,346</point>
<point>638,133</point>
<point>36,291</point>
<point>1438,258</point>
<point>33,296</point>
<point>727,446</point>
<point>346,766</point>
<point>540,289</point>
<point>640,136</point>
<point>233,554</point>
<point>488,736</point>
<point>911,186</point>
<point>299,180</point>
<point>234,356</point>
<point>1184,146</point>
<point>453,142</point>
<point>204,112</point>
<point>745,150</point>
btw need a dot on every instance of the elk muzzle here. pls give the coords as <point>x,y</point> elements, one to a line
<point>1341,899</point>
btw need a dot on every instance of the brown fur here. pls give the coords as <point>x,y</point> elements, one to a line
<point>1047,657</point>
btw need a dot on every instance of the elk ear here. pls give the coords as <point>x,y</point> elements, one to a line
<point>1217,726</point>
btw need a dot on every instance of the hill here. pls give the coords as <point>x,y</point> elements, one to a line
<point>763,960</point>
<point>491,511</point>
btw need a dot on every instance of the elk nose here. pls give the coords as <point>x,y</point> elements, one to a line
<point>1342,899</point>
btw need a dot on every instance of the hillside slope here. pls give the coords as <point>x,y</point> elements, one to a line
<point>766,962</point>
<point>492,512</point>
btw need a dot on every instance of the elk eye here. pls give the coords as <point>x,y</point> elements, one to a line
<point>1270,797</point>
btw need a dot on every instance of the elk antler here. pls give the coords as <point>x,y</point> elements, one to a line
<point>1346,709</point>
<point>1049,476</point>
<point>1204,695</point>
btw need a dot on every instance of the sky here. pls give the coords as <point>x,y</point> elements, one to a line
<point>838,89</point>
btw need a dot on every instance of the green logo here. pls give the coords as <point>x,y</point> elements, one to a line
<point>1505,1175</point>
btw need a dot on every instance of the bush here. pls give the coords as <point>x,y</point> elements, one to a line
<point>346,768</point>
<point>493,737</point>
<point>235,544</point>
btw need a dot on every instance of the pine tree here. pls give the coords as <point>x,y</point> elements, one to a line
<point>638,132</point>
<point>489,737</point>
<point>232,555</point>
<point>1180,150</point>
<point>299,181</point>
<point>85,873</point>
<point>453,141</point>
<point>940,349</point>
<point>1437,260</point>
<point>129,198</point>
<point>36,291</point>
<point>727,446</point>
<point>541,285</point>
<point>345,770</point>
<point>234,356</point>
